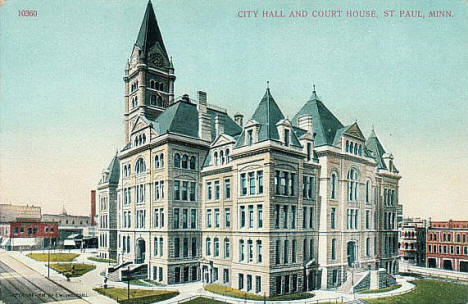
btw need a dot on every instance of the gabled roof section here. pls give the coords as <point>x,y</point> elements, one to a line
<point>112,173</point>
<point>182,118</point>
<point>324,122</point>
<point>267,115</point>
<point>149,34</point>
<point>351,130</point>
<point>376,150</point>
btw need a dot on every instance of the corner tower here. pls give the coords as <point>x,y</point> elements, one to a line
<point>149,74</point>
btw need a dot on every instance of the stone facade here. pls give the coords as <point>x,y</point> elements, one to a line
<point>271,206</point>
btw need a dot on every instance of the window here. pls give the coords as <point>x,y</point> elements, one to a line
<point>250,250</point>
<point>241,281</point>
<point>249,282</point>
<point>277,248</point>
<point>258,284</point>
<point>251,216</point>
<point>216,247</point>
<point>293,215</point>
<point>277,182</point>
<point>194,247</point>
<point>192,162</point>
<point>208,246</point>
<point>309,151</point>
<point>184,218</point>
<point>333,249</point>
<point>286,251</point>
<point>277,216</point>
<point>193,218</point>
<point>215,157</point>
<point>294,249</point>
<point>217,189</point>
<point>176,218</point>
<point>216,216</point>
<point>185,248</point>
<point>286,138</point>
<point>225,275</point>
<point>241,250</point>
<point>185,161</point>
<point>368,247</point>
<point>226,248</point>
<point>227,217</point>
<point>311,248</point>
<point>285,216</point>
<point>243,184</point>
<point>227,188</point>
<point>177,160</point>
<point>333,186</point>
<point>367,219</point>
<point>140,166</point>
<point>176,247</point>
<point>242,216</point>
<point>368,187</point>
<point>161,160</point>
<point>249,137</point>
<point>251,183</point>
<point>208,218</point>
<point>332,218</point>
<point>352,185</point>
<point>177,190</point>
<point>260,181</point>
<point>184,190</point>
<point>193,186</point>
<point>259,251</point>
<point>260,216</point>
<point>208,191</point>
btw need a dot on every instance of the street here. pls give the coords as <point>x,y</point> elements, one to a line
<point>21,284</point>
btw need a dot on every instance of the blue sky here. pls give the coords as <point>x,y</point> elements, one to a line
<point>61,88</point>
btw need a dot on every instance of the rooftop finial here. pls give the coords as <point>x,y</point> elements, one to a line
<point>314,88</point>
<point>268,84</point>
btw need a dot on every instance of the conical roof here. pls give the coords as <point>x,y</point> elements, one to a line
<point>376,149</point>
<point>149,34</point>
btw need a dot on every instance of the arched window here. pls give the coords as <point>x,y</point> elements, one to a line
<point>216,247</point>
<point>185,161</point>
<point>134,102</point>
<point>360,150</point>
<point>352,185</point>
<point>351,146</point>
<point>177,160</point>
<point>156,162</point>
<point>161,86</point>
<point>161,159</point>
<point>355,149</point>
<point>153,100</point>
<point>125,171</point>
<point>227,156</point>
<point>333,186</point>
<point>160,101</point>
<point>192,162</point>
<point>157,85</point>
<point>215,158</point>
<point>347,146</point>
<point>135,141</point>
<point>144,138</point>
<point>140,166</point>
<point>221,157</point>
<point>129,170</point>
<point>208,246</point>
<point>368,187</point>
<point>152,83</point>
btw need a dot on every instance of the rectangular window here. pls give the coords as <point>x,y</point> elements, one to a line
<point>367,219</point>
<point>260,216</point>
<point>251,216</point>
<point>258,284</point>
<point>217,190</point>
<point>193,218</point>
<point>249,137</point>
<point>184,218</point>
<point>260,181</point>
<point>208,218</point>
<point>155,245</point>
<point>216,247</point>
<point>156,190</point>
<point>278,250</point>
<point>192,191</point>
<point>225,275</point>
<point>305,192</point>
<point>185,250</point>
<point>227,217</point>
<point>285,216</point>
<point>311,218</point>
<point>184,190</point>
<point>292,184</point>
<point>243,184</point>
<point>368,247</point>
<point>313,186</point>
<point>304,217</point>
<point>286,138</point>
<point>286,251</point>
<point>249,282</point>
<point>250,250</point>
<point>293,249</point>
<point>216,214</point>
<point>333,249</point>
<point>311,248</point>
<point>284,183</point>
<point>293,215</point>
<point>194,247</point>
<point>176,247</point>
<point>208,191</point>
<point>242,216</point>
<point>227,188</point>
<point>241,281</point>
<point>176,218</point>
<point>259,251</point>
<point>161,217</point>
<point>226,248</point>
<point>277,216</point>
<point>251,183</point>
<point>277,182</point>
<point>156,218</point>
<point>177,190</point>
<point>241,250</point>
<point>332,218</point>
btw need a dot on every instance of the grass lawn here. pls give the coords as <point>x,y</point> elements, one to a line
<point>381,289</point>
<point>203,300</point>
<point>137,295</point>
<point>236,293</point>
<point>54,257</point>
<point>80,269</point>
<point>429,292</point>
<point>101,260</point>
<point>146,283</point>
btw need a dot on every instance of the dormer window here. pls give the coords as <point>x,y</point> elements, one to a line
<point>134,102</point>
<point>353,148</point>
<point>286,137</point>
<point>249,137</point>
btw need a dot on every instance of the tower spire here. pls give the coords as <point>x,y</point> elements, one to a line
<point>149,34</point>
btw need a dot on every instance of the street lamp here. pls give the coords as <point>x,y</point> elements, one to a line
<point>128,282</point>
<point>48,260</point>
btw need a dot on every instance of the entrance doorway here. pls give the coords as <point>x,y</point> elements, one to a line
<point>432,263</point>
<point>447,265</point>
<point>140,251</point>
<point>351,253</point>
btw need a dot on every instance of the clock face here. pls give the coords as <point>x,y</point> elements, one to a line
<point>158,60</point>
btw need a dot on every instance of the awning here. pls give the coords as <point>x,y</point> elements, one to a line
<point>23,242</point>
<point>68,242</point>
<point>5,242</point>
<point>72,236</point>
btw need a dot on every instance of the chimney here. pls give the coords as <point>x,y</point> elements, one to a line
<point>186,97</point>
<point>306,123</point>
<point>219,125</point>
<point>93,207</point>
<point>204,118</point>
<point>238,118</point>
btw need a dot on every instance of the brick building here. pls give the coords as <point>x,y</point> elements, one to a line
<point>412,241</point>
<point>447,245</point>
<point>23,234</point>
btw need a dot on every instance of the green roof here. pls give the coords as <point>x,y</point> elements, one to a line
<point>182,118</point>
<point>376,150</point>
<point>149,34</point>
<point>325,124</point>
<point>267,115</point>
<point>114,172</point>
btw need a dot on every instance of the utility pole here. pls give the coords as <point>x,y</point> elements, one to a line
<point>128,283</point>
<point>48,260</point>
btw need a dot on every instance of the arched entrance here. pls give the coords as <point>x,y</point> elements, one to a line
<point>351,253</point>
<point>140,251</point>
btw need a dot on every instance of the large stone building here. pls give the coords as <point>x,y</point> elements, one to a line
<point>268,206</point>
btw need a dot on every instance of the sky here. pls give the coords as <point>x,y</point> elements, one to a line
<point>61,87</point>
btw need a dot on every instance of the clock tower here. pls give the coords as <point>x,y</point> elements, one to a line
<point>149,74</point>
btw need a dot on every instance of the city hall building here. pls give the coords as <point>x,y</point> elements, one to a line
<point>267,205</point>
